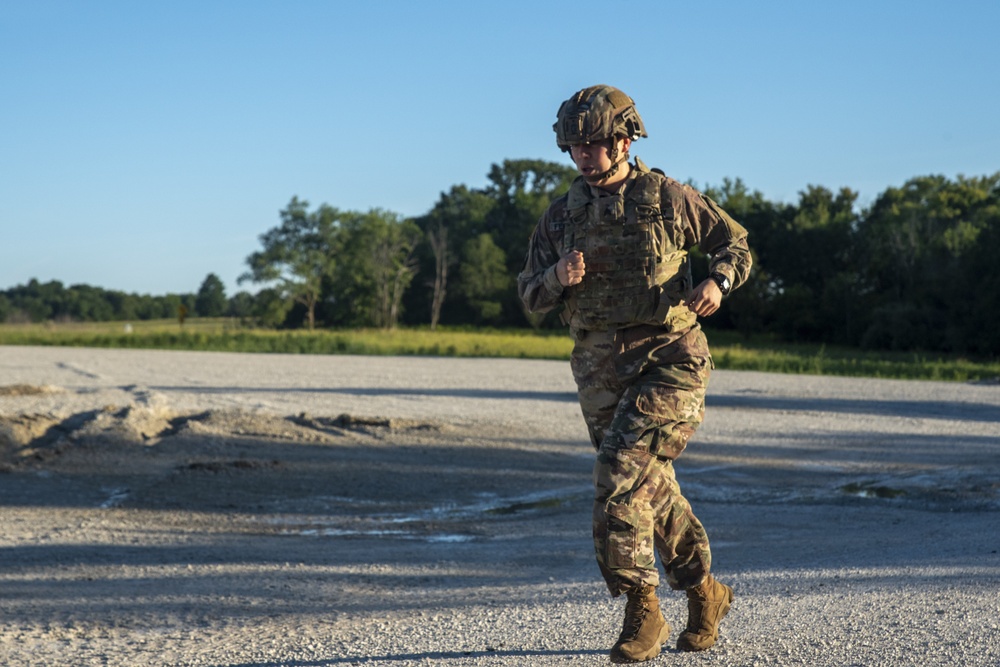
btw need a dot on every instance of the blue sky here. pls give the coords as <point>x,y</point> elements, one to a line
<point>145,145</point>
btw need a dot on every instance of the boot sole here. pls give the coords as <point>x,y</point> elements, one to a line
<point>620,659</point>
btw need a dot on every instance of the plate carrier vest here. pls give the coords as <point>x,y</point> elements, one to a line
<point>637,270</point>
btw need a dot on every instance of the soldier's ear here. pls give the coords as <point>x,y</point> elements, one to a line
<point>626,143</point>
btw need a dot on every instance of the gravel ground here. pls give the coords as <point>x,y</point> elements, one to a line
<point>204,509</point>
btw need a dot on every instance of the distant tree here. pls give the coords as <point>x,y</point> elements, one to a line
<point>124,306</point>
<point>240,305</point>
<point>51,301</point>
<point>94,304</point>
<point>484,278</point>
<point>211,298</point>
<point>816,266</point>
<point>920,248</point>
<point>804,283</point>
<point>35,301</point>
<point>148,307</point>
<point>521,190</point>
<point>297,255</point>
<point>173,305</point>
<point>375,264</point>
<point>458,215</point>
<point>270,307</point>
<point>980,283</point>
<point>437,239</point>
<point>170,305</point>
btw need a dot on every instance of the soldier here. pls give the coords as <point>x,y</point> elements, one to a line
<point>614,252</point>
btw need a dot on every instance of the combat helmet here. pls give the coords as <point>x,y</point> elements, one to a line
<point>597,113</point>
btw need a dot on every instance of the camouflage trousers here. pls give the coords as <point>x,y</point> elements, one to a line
<point>642,393</point>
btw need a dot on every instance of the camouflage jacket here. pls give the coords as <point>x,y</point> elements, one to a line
<point>635,244</point>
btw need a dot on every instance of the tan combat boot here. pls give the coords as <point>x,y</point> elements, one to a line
<point>644,629</point>
<point>708,603</point>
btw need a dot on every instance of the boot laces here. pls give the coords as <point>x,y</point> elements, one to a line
<point>700,606</point>
<point>635,614</point>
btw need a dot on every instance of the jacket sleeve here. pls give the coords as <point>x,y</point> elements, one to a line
<point>717,235</point>
<point>537,284</point>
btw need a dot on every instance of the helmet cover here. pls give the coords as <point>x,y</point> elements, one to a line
<point>597,113</point>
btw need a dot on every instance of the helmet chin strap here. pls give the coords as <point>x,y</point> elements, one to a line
<point>595,179</point>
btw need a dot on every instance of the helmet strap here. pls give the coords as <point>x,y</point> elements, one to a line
<point>615,163</point>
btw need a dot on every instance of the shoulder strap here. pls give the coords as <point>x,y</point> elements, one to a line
<point>578,195</point>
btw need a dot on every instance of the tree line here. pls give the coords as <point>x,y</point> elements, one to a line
<point>912,271</point>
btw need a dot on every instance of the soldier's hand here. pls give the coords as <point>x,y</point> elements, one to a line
<point>570,268</point>
<point>705,298</point>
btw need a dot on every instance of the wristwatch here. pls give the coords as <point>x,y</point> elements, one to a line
<point>723,282</point>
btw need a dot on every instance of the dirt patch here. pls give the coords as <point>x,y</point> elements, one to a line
<point>41,437</point>
<point>23,430</point>
<point>145,455</point>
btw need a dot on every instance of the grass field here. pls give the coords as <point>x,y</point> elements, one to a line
<point>729,350</point>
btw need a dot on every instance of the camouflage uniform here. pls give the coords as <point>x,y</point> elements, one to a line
<point>640,361</point>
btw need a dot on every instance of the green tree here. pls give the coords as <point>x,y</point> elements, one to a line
<point>149,307</point>
<point>125,306</point>
<point>375,265</point>
<point>521,190</point>
<point>484,277</point>
<point>749,309</point>
<point>37,302</point>
<point>816,267</point>
<point>173,304</point>
<point>240,305</point>
<point>457,215</point>
<point>92,304</point>
<point>921,245</point>
<point>211,298</point>
<point>297,255</point>
<point>979,284</point>
<point>270,307</point>
<point>804,282</point>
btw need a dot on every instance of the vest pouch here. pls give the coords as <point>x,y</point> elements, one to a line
<point>610,208</point>
<point>647,214</point>
<point>673,275</point>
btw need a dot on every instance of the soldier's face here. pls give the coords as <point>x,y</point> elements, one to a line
<point>592,159</point>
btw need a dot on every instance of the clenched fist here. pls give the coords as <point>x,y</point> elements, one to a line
<point>705,299</point>
<point>570,268</point>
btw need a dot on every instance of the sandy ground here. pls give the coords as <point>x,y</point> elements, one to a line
<point>173,508</point>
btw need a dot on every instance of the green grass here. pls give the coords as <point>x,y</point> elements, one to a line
<point>227,336</point>
<point>763,353</point>
<point>728,349</point>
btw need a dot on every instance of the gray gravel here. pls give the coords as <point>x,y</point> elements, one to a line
<point>857,520</point>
